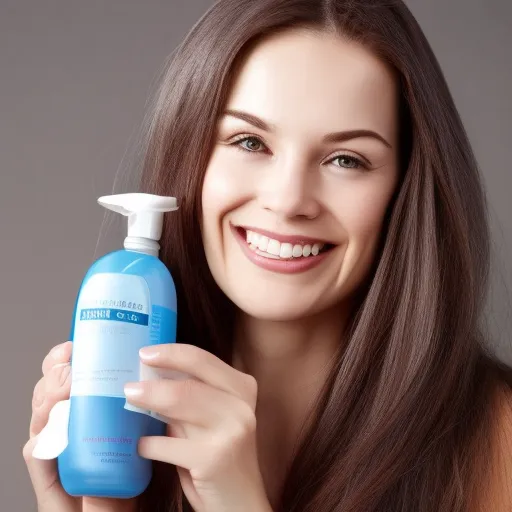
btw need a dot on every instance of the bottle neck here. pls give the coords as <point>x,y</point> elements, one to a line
<point>140,244</point>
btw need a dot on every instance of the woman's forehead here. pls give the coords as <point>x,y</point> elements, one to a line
<point>303,77</point>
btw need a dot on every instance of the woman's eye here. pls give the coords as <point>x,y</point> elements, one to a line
<point>348,161</point>
<point>251,144</point>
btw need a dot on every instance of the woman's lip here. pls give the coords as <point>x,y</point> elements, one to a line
<point>291,239</point>
<point>290,266</point>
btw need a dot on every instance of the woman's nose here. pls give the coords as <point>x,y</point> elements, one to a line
<point>289,190</point>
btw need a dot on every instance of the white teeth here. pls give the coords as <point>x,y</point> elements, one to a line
<point>286,251</point>
<point>297,251</point>
<point>274,249</point>
<point>263,243</point>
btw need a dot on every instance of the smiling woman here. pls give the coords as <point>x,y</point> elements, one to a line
<point>333,243</point>
<point>331,257</point>
<point>303,177</point>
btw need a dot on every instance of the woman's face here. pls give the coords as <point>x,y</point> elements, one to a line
<point>301,175</point>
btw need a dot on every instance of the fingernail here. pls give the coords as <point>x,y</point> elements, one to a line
<point>58,351</point>
<point>133,389</point>
<point>149,353</point>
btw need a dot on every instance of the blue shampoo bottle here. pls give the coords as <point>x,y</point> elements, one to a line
<point>127,300</point>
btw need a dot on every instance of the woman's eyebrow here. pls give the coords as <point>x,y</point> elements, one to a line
<point>251,119</point>
<point>331,137</point>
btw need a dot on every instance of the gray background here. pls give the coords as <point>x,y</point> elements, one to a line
<point>74,81</point>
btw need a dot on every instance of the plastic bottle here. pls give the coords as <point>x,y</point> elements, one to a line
<point>127,300</point>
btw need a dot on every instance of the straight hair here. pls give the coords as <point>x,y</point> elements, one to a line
<point>405,418</point>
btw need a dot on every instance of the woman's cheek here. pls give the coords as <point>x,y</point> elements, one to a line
<point>361,208</point>
<point>224,191</point>
<point>225,184</point>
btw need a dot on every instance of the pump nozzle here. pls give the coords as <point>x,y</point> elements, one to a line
<point>145,214</point>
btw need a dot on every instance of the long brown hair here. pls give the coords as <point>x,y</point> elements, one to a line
<point>406,417</point>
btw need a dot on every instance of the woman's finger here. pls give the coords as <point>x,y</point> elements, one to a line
<point>43,473</point>
<point>173,450</point>
<point>59,354</point>
<point>190,401</point>
<point>38,394</point>
<point>57,385</point>
<point>203,365</point>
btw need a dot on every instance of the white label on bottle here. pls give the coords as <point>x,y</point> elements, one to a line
<point>112,323</point>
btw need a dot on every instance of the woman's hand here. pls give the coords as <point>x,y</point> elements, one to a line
<point>54,386</point>
<point>212,434</point>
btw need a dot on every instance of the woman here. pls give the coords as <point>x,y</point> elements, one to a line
<point>331,256</point>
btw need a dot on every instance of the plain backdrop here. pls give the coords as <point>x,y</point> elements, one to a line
<point>75,78</point>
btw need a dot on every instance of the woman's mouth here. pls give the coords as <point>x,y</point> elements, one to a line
<point>287,254</point>
<point>272,248</point>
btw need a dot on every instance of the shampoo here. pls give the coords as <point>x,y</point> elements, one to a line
<point>127,300</point>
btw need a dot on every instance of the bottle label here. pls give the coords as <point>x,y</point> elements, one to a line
<point>114,319</point>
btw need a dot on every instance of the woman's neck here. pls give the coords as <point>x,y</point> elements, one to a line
<point>290,361</point>
<point>288,354</point>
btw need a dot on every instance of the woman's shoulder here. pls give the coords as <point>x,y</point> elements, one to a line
<point>495,495</point>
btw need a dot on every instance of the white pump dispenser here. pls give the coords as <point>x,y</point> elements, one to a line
<point>145,214</point>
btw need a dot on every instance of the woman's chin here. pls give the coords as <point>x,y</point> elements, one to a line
<point>274,309</point>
